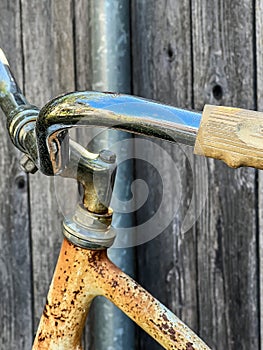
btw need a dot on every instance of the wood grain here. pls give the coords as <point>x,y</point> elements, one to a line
<point>162,71</point>
<point>259,92</point>
<point>186,53</point>
<point>49,70</point>
<point>15,241</point>
<point>224,69</point>
<point>82,45</point>
<point>233,135</point>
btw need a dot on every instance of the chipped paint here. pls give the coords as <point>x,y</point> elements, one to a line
<point>82,274</point>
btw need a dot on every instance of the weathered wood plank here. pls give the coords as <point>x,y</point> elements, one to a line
<point>49,70</point>
<point>82,44</point>
<point>161,33</point>
<point>227,231</point>
<point>259,76</point>
<point>15,255</point>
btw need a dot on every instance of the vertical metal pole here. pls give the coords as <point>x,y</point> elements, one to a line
<point>110,40</point>
<point>111,71</point>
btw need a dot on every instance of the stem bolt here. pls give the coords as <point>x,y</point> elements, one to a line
<point>27,164</point>
<point>107,156</point>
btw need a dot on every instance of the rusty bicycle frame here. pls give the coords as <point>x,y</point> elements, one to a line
<point>83,269</point>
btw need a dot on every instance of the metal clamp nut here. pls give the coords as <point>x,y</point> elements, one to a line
<point>27,164</point>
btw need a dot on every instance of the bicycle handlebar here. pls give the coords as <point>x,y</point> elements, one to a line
<point>11,96</point>
<point>124,112</point>
<point>229,134</point>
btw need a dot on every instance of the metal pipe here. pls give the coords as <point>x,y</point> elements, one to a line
<point>110,45</point>
<point>18,111</point>
<point>121,112</point>
<point>11,96</point>
<point>110,70</point>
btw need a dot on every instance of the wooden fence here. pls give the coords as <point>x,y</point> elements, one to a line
<point>186,53</point>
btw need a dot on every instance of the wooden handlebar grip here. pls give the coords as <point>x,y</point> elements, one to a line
<point>233,135</point>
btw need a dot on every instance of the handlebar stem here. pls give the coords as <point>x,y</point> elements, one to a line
<point>43,136</point>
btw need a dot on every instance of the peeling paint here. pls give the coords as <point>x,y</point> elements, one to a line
<point>73,289</point>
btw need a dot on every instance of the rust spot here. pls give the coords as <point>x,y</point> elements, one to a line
<point>164,317</point>
<point>76,292</point>
<point>151,320</point>
<point>171,331</point>
<point>189,346</point>
<point>45,312</point>
<point>173,337</point>
<point>40,338</point>
<point>114,284</point>
<point>165,326</point>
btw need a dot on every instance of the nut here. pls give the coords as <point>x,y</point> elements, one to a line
<point>27,164</point>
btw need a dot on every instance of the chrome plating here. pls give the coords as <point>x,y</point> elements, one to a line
<point>122,112</point>
<point>89,230</point>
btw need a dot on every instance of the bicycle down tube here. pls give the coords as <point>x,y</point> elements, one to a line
<point>83,270</point>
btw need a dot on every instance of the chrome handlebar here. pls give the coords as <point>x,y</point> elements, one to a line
<point>124,112</point>
<point>43,134</point>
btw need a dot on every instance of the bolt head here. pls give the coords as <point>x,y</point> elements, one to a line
<point>27,164</point>
<point>107,156</point>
